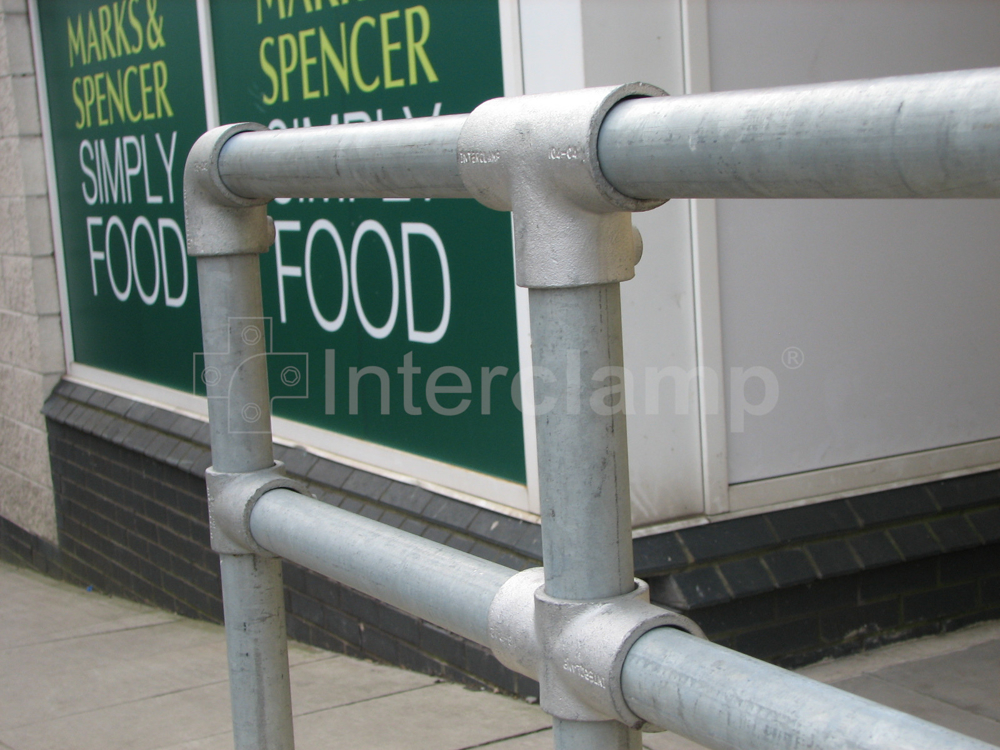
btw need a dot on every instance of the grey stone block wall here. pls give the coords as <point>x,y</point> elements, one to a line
<point>31,348</point>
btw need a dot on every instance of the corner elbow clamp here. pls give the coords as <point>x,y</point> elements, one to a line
<point>575,649</point>
<point>217,221</point>
<point>537,157</point>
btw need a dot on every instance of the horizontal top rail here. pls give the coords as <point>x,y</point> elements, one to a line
<point>416,158</point>
<point>927,136</point>
<point>924,136</point>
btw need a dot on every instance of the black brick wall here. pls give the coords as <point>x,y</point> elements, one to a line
<point>133,526</point>
<point>793,586</point>
<point>24,549</point>
<point>846,614</point>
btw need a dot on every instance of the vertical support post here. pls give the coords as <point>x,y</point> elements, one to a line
<point>573,243</point>
<point>580,422</point>
<point>234,336</point>
<point>583,464</point>
<point>227,233</point>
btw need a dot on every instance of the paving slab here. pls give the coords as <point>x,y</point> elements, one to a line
<point>342,681</point>
<point>957,679</point>
<point>107,674</point>
<point>439,717</point>
<point>540,740</point>
<point>873,687</point>
<point>51,693</point>
<point>84,671</point>
<point>37,609</point>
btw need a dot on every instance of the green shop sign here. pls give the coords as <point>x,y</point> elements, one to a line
<point>392,321</point>
<point>125,102</point>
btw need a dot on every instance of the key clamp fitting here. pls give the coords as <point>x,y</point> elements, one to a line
<point>537,157</point>
<point>231,498</point>
<point>217,221</point>
<point>575,649</point>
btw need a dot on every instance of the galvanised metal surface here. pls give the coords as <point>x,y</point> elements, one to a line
<point>231,498</point>
<point>239,417</point>
<point>537,157</point>
<point>436,583</point>
<point>727,701</point>
<point>573,243</point>
<point>924,136</point>
<point>582,450</point>
<point>253,602</point>
<point>217,221</point>
<point>576,647</point>
<point>912,136</point>
<point>227,233</point>
<point>918,136</point>
<point>582,468</point>
<point>235,369</point>
<point>415,158</point>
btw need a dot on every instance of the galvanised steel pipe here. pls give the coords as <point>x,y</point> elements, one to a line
<point>235,376</point>
<point>253,597</point>
<point>727,701</point>
<point>923,136</point>
<point>415,158</point>
<point>895,161</point>
<point>235,370</point>
<point>706,692</point>
<point>582,453</point>
<point>929,136</point>
<point>583,483</point>
<point>253,602</point>
<point>436,583</point>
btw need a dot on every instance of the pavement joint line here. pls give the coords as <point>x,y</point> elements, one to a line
<point>91,635</point>
<point>505,739</point>
<point>121,703</point>
<point>183,742</point>
<point>305,647</point>
<point>912,691</point>
<point>361,700</point>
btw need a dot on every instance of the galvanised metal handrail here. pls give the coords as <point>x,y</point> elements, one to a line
<point>571,167</point>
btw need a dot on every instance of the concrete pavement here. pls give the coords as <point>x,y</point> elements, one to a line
<point>84,671</point>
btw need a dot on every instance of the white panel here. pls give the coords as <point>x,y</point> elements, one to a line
<point>551,45</point>
<point>641,41</point>
<point>758,43</point>
<point>892,304</point>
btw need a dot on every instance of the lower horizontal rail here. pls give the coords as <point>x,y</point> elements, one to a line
<point>436,583</point>
<point>728,701</point>
<point>708,693</point>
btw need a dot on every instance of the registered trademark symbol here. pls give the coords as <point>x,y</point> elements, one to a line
<point>793,358</point>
